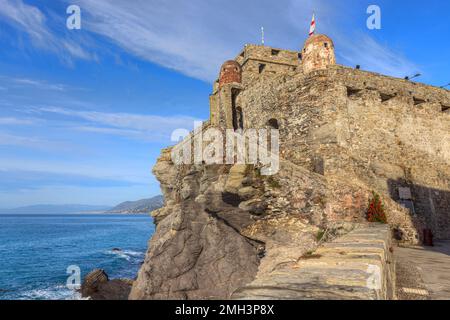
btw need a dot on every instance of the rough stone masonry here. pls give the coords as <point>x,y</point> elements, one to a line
<point>343,134</point>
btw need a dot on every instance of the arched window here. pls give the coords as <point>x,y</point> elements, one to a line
<point>273,124</point>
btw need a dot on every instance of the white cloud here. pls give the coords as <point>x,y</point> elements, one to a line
<point>7,139</point>
<point>105,171</point>
<point>32,21</point>
<point>375,57</point>
<point>142,127</point>
<point>11,82</point>
<point>195,37</point>
<point>14,140</point>
<point>17,121</point>
<point>40,84</point>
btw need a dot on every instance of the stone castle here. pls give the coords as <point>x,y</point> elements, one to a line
<point>344,133</point>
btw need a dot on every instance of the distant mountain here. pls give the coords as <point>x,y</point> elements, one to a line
<point>129,207</point>
<point>56,209</point>
<point>140,206</point>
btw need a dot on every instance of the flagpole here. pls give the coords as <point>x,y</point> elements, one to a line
<point>312,28</point>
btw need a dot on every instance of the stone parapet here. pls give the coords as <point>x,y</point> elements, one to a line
<point>357,266</point>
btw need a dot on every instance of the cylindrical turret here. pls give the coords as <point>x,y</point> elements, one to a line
<point>230,72</point>
<point>318,53</point>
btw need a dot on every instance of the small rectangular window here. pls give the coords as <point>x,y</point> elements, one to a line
<point>445,108</point>
<point>352,91</point>
<point>275,52</point>
<point>386,97</point>
<point>418,101</point>
<point>261,67</point>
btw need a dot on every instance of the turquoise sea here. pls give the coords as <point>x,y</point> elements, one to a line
<point>36,250</point>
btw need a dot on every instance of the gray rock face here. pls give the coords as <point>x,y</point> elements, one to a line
<point>224,227</point>
<point>197,251</point>
<point>195,255</point>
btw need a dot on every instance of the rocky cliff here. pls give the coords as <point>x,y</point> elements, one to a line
<point>222,226</point>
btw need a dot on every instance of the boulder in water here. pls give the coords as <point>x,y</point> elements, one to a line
<point>97,286</point>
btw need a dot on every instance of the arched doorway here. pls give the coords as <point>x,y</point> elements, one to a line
<point>273,124</point>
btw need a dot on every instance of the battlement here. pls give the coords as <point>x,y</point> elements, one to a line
<point>389,86</point>
<point>259,60</point>
<point>265,54</point>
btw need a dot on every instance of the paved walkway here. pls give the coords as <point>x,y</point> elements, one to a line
<point>433,266</point>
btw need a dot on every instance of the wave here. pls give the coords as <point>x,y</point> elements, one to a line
<point>126,254</point>
<point>59,292</point>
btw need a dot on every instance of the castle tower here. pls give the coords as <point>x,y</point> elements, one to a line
<point>225,113</point>
<point>318,53</point>
<point>230,72</point>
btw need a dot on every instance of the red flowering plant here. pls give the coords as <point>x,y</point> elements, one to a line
<point>375,211</point>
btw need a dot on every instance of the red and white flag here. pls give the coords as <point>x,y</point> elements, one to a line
<point>312,28</point>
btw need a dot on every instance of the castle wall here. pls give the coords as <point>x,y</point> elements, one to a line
<point>370,130</point>
<point>263,61</point>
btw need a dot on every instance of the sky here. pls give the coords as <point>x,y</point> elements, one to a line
<point>84,113</point>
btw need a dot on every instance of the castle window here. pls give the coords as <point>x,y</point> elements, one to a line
<point>237,114</point>
<point>352,91</point>
<point>300,56</point>
<point>418,101</point>
<point>326,45</point>
<point>445,108</point>
<point>273,124</point>
<point>261,67</point>
<point>275,52</point>
<point>238,119</point>
<point>386,97</point>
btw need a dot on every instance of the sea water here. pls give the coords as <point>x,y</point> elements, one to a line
<point>36,250</point>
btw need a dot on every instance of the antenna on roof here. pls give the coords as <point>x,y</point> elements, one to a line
<point>262,35</point>
<point>412,77</point>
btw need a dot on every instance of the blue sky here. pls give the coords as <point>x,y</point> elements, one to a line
<point>84,113</point>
